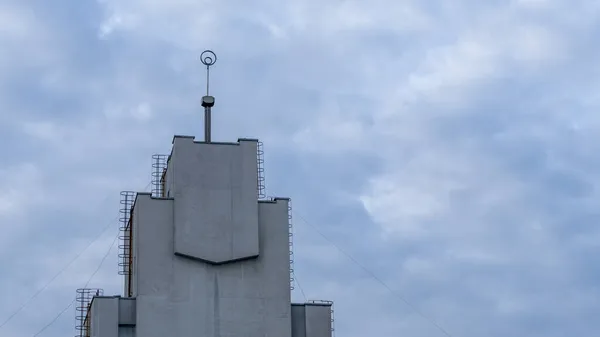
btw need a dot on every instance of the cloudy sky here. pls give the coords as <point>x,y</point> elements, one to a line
<point>446,149</point>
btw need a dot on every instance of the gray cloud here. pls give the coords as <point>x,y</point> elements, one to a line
<point>450,148</point>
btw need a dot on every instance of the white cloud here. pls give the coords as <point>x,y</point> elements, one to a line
<point>17,22</point>
<point>24,36</point>
<point>23,188</point>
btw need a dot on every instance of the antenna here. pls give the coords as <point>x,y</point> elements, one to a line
<point>208,58</point>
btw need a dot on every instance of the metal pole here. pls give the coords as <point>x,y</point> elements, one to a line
<point>207,124</point>
<point>208,58</point>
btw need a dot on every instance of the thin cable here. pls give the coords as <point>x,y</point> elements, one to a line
<point>88,281</point>
<point>39,291</point>
<point>300,287</point>
<point>411,306</point>
<point>55,318</point>
<point>86,284</point>
<point>102,261</point>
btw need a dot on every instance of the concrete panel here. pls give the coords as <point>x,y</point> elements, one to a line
<point>127,311</point>
<point>105,317</point>
<point>126,331</point>
<point>178,296</point>
<point>214,187</point>
<point>153,224</point>
<point>311,320</point>
<point>298,320</point>
<point>318,320</point>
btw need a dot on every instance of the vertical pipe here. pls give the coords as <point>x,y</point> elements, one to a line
<point>207,124</point>
<point>130,262</point>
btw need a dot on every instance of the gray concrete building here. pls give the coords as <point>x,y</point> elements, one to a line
<point>205,255</point>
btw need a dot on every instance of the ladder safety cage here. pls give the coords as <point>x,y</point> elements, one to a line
<point>291,243</point>
<point>260,160</point>
<point>159,167</point>
<point>83,302</point>
<point>125,235</point>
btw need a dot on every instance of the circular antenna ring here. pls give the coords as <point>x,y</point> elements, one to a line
<point>208,58</point>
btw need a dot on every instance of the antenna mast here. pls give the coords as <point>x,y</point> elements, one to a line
<point>208,58</point>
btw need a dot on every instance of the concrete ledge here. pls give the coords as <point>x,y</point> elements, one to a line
<point>321,304</point>
<point>193,139</point>
<point>273,200</point>
<point>215,263</point>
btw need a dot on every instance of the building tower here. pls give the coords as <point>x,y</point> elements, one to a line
<point>205,255</point>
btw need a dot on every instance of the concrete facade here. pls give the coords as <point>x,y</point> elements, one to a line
<point>216,211</point>
<point>311,319</point>
<point>112,317</point>
<point>209,259</point>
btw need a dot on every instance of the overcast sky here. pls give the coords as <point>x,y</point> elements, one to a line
<point>451,148</point>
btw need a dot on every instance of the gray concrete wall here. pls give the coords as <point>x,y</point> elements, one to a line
<point>210,260</point>
<point>216,211</point>
<point>113,317</point>
<point>126,331</point>
<point>307,320</point>
<point>127,311</point>
<point>104,313</point>
<point>178,296</point>
<point>298,320</point>
<point>311,320</point>
<point>318,320</point>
